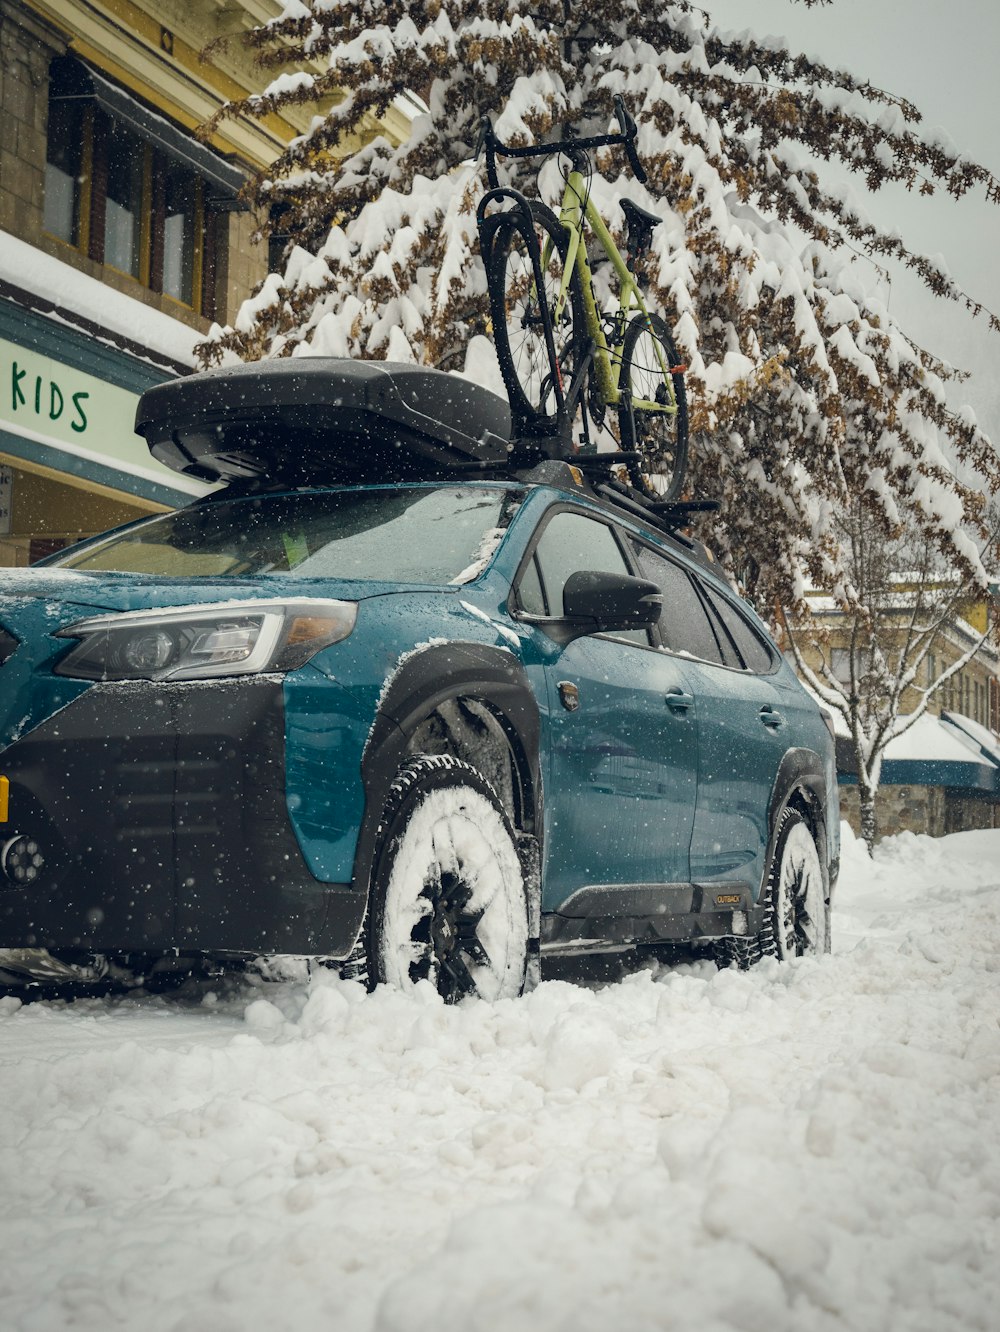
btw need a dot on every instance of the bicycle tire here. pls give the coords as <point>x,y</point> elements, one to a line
<point>518,329</point>
<point>659,438</point>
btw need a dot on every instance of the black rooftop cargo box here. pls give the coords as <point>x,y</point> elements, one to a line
<point>315,419</point>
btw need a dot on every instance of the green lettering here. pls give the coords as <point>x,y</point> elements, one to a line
<point>17,393</point>
<point>80,426</point>
<point>38,395</point>
<point>55,392</point>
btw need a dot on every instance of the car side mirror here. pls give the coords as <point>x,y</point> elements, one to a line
<point>611,601</point>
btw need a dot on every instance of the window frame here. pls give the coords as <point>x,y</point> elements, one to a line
<point>715,621</point>
<point>708,590</point>
<point>90,210</point>
<point>621,538</point>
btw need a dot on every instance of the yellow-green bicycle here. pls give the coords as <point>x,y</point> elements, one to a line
<point>560,355</point>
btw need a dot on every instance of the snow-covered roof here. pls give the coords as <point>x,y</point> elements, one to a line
<point>950,738</point>
<point>931,740</point>
<point>979,738</point>
<point>77,297</point>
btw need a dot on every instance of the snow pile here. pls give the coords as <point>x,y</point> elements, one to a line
<point>807,1146</point>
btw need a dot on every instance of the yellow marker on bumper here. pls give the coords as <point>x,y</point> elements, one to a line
<point>4,798</point>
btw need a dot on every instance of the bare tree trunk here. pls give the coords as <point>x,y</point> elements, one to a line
<point>869,774</point>
<point>869,823</point>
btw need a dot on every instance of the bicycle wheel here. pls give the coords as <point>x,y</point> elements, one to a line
<point>660,437</point>
<point>532,382</point>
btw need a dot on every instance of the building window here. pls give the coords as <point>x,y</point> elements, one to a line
<point>123,169</point>
<point>63,166</point>
<point>181,218</point>
<point>840,665</point>
<point>123,201</point>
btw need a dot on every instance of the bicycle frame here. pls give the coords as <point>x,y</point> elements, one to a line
<point>577,206</point>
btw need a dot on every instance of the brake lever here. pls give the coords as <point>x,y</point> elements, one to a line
<point>485,126</point>
<point>488,141</point>
<point>625,122</point>
<point>630,131</point>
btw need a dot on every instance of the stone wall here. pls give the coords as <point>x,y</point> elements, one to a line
<point>962,815</point>
<point>920,809</point>
<point>27,45</point>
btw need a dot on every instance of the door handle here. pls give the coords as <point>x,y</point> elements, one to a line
<point>678,701</point>
<point>771,717</point>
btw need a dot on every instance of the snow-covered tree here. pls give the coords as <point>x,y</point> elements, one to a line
<point>803,389</point>
<point>880,665</point>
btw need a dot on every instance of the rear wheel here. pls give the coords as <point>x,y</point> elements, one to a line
<point>658,432</point>
<point>797,919</point>
<point>534,385</point>
<point>448,902</point>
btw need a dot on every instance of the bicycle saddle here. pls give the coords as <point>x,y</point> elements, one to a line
<point>639,217</point>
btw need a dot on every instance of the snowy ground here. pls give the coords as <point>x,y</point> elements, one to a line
<point>807,1146</point>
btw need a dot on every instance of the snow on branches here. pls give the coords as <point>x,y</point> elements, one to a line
<point>803,390</point>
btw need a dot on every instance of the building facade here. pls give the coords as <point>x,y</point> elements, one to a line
<point>943,774</point>
<point>123,237</point>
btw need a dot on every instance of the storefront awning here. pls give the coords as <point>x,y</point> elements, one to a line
<point>951,751</point>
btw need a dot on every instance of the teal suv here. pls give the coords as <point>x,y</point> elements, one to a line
<point>439,728</point>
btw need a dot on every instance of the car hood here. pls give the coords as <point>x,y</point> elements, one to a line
<point>62,589</point>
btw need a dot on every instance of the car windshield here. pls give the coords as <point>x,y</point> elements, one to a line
<point>443,534</point>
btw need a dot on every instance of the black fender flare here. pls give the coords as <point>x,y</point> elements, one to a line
<point>424,680</point>
<point>801,778</point>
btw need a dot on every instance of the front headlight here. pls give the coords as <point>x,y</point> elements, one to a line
<point>203,642</point>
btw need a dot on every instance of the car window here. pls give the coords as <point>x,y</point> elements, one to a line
<point>755,655</point>
<point>684,624</point>
<point>571,541</point>
<point>530,596</point>
<point>727,648</point>
<point>401,534</point>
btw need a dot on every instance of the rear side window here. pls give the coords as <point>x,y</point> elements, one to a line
<point>684,624</point>
<point>751,647</point>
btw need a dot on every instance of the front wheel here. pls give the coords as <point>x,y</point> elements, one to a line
<point>797,910</point>
<point>448,900</point>
<point>652,413</point>
<point>521,313</point>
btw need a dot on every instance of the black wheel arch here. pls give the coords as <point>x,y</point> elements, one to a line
<point>801,784</point>
<point>465,699</point>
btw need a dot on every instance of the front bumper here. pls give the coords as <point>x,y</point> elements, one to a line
<point>160,814</point>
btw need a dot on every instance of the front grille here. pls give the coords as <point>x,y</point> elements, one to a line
<point>7,645</point>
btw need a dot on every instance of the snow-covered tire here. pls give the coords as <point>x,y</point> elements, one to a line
<point>796,902</point>
<point>448,898</point>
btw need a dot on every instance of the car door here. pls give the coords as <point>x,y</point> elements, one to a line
<point>740,725</point>
<point>619,764</point>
